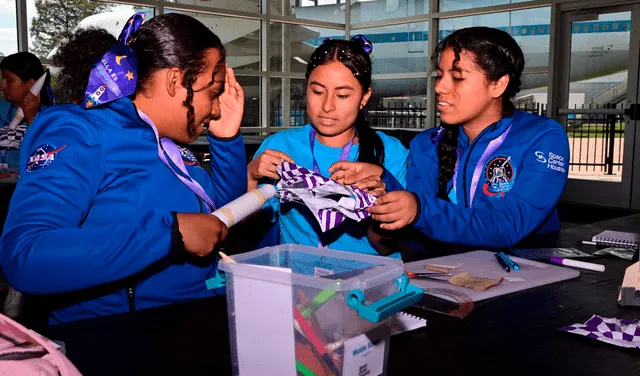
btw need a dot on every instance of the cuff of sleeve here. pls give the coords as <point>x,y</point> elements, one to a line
<point>418,210</point>
<point>177,242</point>
<point>224,139</point>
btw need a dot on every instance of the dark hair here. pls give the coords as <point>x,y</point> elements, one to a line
<point>496,54</point>
<point>353,56</point>
<point>167,41</point>
<point>27,67</point>
<point>76,57</point>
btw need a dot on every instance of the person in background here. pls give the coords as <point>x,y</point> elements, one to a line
<point>110,214</point>
<point>339,141</point>
<point>19,71</point>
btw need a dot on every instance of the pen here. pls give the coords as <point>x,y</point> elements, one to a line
<point>512,264</point>
<point>588,242</point>
<point>503,263</point>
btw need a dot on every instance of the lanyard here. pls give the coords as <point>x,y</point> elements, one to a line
<point>166,148</point>
<point>477,171</point>
<point>344,153</point>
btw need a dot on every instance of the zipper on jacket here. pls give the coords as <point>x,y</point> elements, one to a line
<point>131,293</point>
<point>464,177</point>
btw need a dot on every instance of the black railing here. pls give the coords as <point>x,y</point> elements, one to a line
<point>596,140</point>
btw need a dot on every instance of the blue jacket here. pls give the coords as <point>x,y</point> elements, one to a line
<point>91,213</point>
<point>517,191</point>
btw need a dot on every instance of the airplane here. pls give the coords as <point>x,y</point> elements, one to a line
<point>599,47</point>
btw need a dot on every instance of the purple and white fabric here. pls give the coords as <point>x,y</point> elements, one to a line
<point>329,201</point>
<point>623,333</point>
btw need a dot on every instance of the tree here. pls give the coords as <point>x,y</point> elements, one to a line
<point>56,19</point>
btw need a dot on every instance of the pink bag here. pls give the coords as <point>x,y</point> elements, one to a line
<point>25,352</point>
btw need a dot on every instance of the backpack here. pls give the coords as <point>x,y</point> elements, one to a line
<point>25,352</point>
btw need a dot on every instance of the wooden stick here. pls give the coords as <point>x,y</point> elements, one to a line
<point>226,258</point>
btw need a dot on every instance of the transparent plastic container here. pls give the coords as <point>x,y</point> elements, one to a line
<point>297,310</point>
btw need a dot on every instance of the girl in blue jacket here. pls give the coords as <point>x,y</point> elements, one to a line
<point>109,214</point>
<point>19,72</point>
<point>490,175</point>
<point>338,89</point>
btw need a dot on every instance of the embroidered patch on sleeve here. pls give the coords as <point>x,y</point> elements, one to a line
<point>44,155</point>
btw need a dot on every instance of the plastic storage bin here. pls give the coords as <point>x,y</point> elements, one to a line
<point>296,310</point>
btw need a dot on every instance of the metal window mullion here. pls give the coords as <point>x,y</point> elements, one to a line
<point>347,19</point>
<point>432,42</point>
<point>265,84</point>
<point>22,25</point>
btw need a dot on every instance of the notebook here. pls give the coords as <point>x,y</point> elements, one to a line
<point>404,322</point>
<point>617,238</point>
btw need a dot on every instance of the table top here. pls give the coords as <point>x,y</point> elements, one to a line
<point>512,334</point>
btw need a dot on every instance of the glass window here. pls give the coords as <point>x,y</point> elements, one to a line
<point>296,43</point>
<point>251,87</point>
<point>287,94</point>
<point>398,48</point>
<point>317,10</point>
<point>8,28</point>
<point>449,5</point>
<point>241,5</point>
<point>241,38</point>
<point>375,10</point>
<point>530,28</point>
<point>533,98</point>
<point>47,32</point>
<point>399,103</point>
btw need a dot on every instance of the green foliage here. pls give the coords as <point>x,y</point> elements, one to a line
<point>56,20</point>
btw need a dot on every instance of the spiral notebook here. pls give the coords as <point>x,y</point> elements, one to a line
<point>618,239</point>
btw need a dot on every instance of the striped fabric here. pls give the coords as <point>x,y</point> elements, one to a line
<point>329,201</point>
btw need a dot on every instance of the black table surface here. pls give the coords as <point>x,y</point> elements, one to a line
<point>511,334</point>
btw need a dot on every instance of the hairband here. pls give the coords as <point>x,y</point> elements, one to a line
<point>115,74</point>
<point>360,40</point>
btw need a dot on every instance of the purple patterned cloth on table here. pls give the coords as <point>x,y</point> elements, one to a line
<point>329,201</point>
<point>624,333</point>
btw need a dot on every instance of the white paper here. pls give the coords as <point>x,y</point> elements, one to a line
<point>263,312</point>
<point>362,357</point>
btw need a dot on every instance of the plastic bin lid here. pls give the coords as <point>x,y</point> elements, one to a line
<point>314,267</point>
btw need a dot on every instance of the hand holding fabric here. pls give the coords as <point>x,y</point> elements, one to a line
<point>395,210</point>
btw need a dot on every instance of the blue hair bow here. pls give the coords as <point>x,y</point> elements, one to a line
<point>359,39</point>
<point>365,43</point>
<point>115,74</point>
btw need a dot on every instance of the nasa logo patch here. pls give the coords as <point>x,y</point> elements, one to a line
<point>44,155</point>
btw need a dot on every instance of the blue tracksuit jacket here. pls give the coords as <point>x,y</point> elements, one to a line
<point>517,189</point>
<point>91,214</point>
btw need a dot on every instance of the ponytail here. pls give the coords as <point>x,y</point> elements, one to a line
<point>370,149</point>
<point>447,157</point>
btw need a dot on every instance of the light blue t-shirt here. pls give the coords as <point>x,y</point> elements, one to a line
<point>297,223</point>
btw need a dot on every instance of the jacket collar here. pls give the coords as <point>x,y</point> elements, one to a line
<point>491,132</point>
<point>122,113</point>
